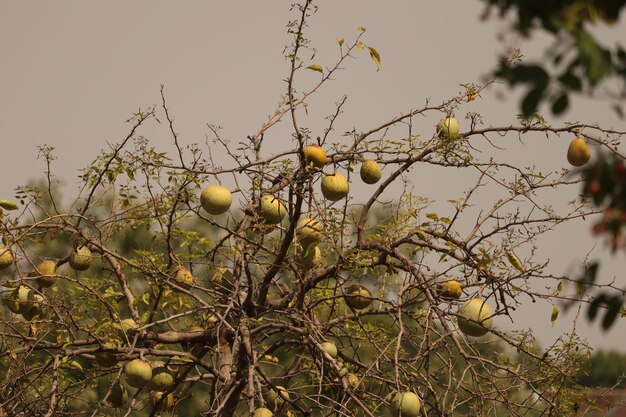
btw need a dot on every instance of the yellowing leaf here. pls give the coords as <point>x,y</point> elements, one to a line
<point>8,205</point>
<point>375,56</point>
<point>361,29</point>
<point>340,41</point>
<point>555,314</point>
<point>360,46</point>
<point>316,67</point>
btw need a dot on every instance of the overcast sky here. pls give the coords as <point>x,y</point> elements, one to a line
<point>73,71</point>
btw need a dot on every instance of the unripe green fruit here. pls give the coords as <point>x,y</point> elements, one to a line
<point>330,348</point>
<point>118,396</point>
<point>405,404</point>
<point>162,379</point>
<point>335,187</point>
<point>20,300</point>
<point>6,257</point>
<point>138,373</point>
<point>80,259</point>
<point>309,258</point>
<point>370,172</point>
<point>262,412</point>
<point>578,153</point>
<point>475,317</point>
<point>165,405</point>
<point>308,231</point>
<point>315,155</point>
<point>35,309</point>
<point>47,271</point>
<point>274,399</point>
<point>271,209</point>
<point>107,359</point>
<point>216,199</point>
<point>448,128</point>
<point>358,297</point>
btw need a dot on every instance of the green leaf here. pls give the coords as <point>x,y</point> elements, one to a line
<point>595,59</point>
<point>432,216</point>
<point>316,67</point>
<point>8,205</point>
<point>375,56</point>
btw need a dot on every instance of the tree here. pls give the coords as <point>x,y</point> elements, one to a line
<point>152,294</point>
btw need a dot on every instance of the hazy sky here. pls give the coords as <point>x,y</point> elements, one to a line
<point>73,71</point>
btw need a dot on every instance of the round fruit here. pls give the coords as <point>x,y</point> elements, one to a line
<point>262,412</point>
<point>451,289</point>
<point>358,297</point>
<point>475,317</point>
<point>335,187</point>
<point>183,276</point>
<point>271,209</point>
<point>315,155</point>
<point>352,380</point>
<point>166,404</point>
<point>330,348</point>
<point>578,153</point>
<point>370,172</point>
<point>309,231</point>
<point>35,309</point>
<point>107,359</point>
<point>46,272</point>
<point>448,128</point>
<point>405,404</point>
<point>276,399</point>
<point>118,396</point>
<point>138,373</point>
<point>6,257</point>
<point>216,199</point>
<point>20,300</point>
<point>309,258</point>
<point>162,379</point>
<point>80,259</point>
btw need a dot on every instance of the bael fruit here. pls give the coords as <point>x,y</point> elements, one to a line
<point>275,398</point>
<point>405,404</point>
<point>46,272</point>
<point>35,310</point>
<point>309,258</point>
<point>309,231</point>
<point>216,199</point>
<point>358,297</point>
<point>370,171</point>
<point>578,153</point>
<point>20,300</point>
<point>271,209</point>
<point>6,257</point>
<point>166,404</point>
<point>448,128</point>
<point>475,317</point>
<point>315,155</point>
<point>162,379</point>
<point>138,373</point>
<point>107,359</point>
<point>80,259</point>
<point>335,187</point>
<point>118,396</point>
<point>330,348</point>
<point>262,412</point>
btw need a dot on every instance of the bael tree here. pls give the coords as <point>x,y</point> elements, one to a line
<point>251,280</point>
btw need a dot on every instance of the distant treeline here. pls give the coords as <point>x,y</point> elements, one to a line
<point>605,369</point>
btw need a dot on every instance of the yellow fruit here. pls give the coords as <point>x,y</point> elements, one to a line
<point>6,257</point>
<point>578,153</point>
<point>271,209</point>
<point>315,155</point>
<point>216,199</point>
<point>162,379</point>
<point>352,380</point>
<point>118,396</point>
<point>80,259</point>
<point>35,309</point>
<point>451,289</point>
<point>308,231</point>
<point>309,258</point>
<point>262,412</point>
<point>138,373</point>
<point>46,272</point>
<point>335,187</point>
<point>448,128</point>
<point>20,300</point>
<point>107,359</point>
<point>330,348</point>
<point>183,276</point>
<point>370,172</point>
<point>405,404</point>
<point>358,297</point>
<point>475,317</point>
<point>274,399</point>
<point>165,405</point>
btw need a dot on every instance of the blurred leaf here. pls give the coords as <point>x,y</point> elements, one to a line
<point>560,104</point>
<point>375,56</point>
<point>316,67</point>
<point>555,314</point>
<point>8,205</point>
